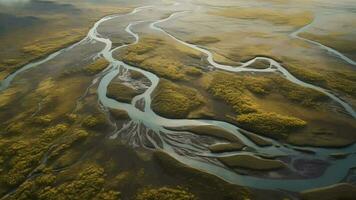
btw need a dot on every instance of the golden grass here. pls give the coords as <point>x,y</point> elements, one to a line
<point>174,101</point>
<point>165,193</point>
<point>277,17</point>
<point>96,67</point>
<point>8,96</point>
<point>336,79</point>
<point>204,40</point>
<point>41,47</point>
<point>56,31</point>
<point>121,92</point>
<point>270,124</point>
<point>333,40</point>
<point>230,89</point>
<point>163,58</point>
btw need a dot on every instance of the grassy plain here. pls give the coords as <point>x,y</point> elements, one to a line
<point>65,25</point>
<point>274,16</point>
<point>160,56</point>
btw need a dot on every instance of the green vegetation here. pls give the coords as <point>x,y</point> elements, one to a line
<point>94,121</point>
<point>230,89</point>
<point>52,31</point>
<point>304,96</point>
<point>270,124</point>
<point>165,193</point>
<point>252,162</point>
<point>333,40</point>
<point>60,40</point>
<point>121,92</point>
<point>193,71</point>
<point>174,101</point>
<point>204,40</point>
<point>96,67</point>
<point>340,80</point>
<point>23,156</point>
<point>265,105</point>
<point>162,58</point>
<point>40,48</point>
<point>91,69</point>
<point>88,184</point>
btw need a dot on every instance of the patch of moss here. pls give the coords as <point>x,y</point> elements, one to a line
<point>94,121</point>
<point>43,120</point>
<point>174,101</point>
<point>204,40</point>
<point>304,96</point>
<point>193,71</point>
<point>231,89</point>
<point>165,59</point>
<point>97,66</point>
<point>165,193</point>
<point>270,124</point>
<point>88,184</point>
<point>24,155</point>
<point>342,81</point>
<point>121,92</point>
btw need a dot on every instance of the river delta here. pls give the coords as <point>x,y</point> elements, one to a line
<point>185,99</point>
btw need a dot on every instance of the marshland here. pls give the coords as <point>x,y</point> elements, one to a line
<point>177,99</point>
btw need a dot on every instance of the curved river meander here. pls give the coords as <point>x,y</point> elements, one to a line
<point>148,127</point>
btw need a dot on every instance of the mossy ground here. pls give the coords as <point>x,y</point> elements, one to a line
<point>163,58</point>
<point>175,101</point>
<point>278,102</point>
<point>121,92</point>
<point>55,31</point>
<point>80,162</point>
